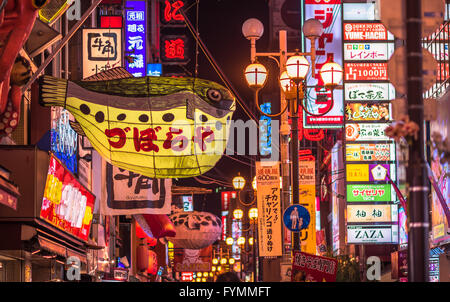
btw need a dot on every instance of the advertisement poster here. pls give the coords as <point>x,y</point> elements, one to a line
<point>312,268</point>
<point>367,112</point>
<point>369,193</point>
<point>329,46</point>
<point>269,209</point>
<point>359,234</point>
<point>366,132</point>
<point>370,152</point>
<point>67,204</point>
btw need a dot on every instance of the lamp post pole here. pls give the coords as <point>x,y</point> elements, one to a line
<point>296,241</point>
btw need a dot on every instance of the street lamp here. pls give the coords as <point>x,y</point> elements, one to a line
<point>238,214</point>
<point>253,214</point>
<point>238,182</point>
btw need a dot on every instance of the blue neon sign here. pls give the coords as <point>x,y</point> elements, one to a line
<point>135,37</point>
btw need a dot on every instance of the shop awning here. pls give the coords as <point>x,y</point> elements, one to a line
<point>59,249</point>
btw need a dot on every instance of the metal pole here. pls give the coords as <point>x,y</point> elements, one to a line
<point>295,164</point>
<point>255,279</point>
<point>418,246</point>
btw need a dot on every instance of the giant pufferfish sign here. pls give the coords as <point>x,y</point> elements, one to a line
<point>159,127</point>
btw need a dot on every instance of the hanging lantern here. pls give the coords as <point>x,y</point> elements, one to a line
<point>142,256</point>
<point>152,263</point>
<point>141,235</point>
<point>156,226</point>
<point>195,230</point>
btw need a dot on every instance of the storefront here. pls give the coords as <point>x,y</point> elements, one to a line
<point>47,232</point>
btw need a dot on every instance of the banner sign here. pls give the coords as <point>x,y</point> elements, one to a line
<point>372,213</point>
<point>269,209</point>
<point>67,204</point>
<point>367,112</point>
<point>368,51</point>
<point>312,268</point>
<point>135,37</point>
<point>358,234</point>
<point>366,32</point>
<point>318,99</point>
<point>366,132</point>
<point>365,71</point>
<point>369,91</point>
<point>369,193</point>
<point>370,152</point>
<point>130,193</point>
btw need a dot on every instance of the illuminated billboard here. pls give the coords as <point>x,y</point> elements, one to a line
<point>359,234</point>
<point>368,112</point>
<point>369,91</point>
<point>366,32</point>
<point>365,71</point>
<point>135,37</point>
<point>369,193</point>
<point>368,51</point>
<point>370,152</point>
<point>365,132</point>
<point>372,213</point>
<point>370,172</point>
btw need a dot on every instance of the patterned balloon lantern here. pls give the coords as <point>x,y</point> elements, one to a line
<point>195,230</point>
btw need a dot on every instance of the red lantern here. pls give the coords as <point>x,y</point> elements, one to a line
<point>152,263</point>
<point>142,255</point>
<point>141,235</point>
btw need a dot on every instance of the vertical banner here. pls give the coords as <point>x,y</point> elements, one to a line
<point>135,37</point>
<point>328,47</point>
<point>269,209</point>
<point>307,188</point>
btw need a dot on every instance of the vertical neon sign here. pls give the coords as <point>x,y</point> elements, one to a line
<point>135,37</point>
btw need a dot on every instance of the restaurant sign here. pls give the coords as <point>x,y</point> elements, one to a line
<point>366,32</point>
<point>358,234</point>
<point>369,193</point>
<point>365,71</point>
<point>365,132</point>
<point>369,91</point>
<point>370,152</point>
<point>368,51</point>
<point>370,172</point>
<point>372,213</point>
<point>367,112</point>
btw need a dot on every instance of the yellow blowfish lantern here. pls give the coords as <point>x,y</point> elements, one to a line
<point>155,126</point>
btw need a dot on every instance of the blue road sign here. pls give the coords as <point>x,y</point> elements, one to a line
<point>296,218</point>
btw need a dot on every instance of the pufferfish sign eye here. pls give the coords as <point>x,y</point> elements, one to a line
<point>214,95</point>
<point>39,3</point>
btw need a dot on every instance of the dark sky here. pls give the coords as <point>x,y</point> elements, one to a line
<point>220,28</point>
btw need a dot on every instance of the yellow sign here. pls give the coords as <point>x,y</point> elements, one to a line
<point>371,213</point>
<point>307,193</point>
<point>357,172</point>
<point>269,209</point>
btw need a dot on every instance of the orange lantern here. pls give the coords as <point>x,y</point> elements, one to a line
<point>141,234</point>
<point>152,263</point>
<point>142,255</point>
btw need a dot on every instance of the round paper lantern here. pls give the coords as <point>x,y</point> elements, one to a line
<point>195,230</point>
<point>142,256</point>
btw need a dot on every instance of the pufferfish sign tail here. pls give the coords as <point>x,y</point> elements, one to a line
<point>155,126</point>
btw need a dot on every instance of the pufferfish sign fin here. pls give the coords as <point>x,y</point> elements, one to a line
<point>110,74</point>
<point>77,128</point>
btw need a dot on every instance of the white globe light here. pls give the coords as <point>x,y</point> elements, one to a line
<point>252,29</point>
<point>256,75</point>
<point>331,74</point>
<point>297,68</point>
<point>312,28</point>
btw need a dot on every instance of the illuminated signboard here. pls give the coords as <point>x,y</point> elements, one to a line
<point>369,91</point>
<point>369,193</point>
<point>111,21</point>
<point>366,32</point>
<point>64,140</point>
<point>372,213</point>
<point>188,203</point>
<point>368,51</point>
<point>403,222</point>
<point>367,112</point>
<point>365,132</point>
<point>359,11</point>
<point>102,50</point>
<point>135,37</point>
<point>67,204</point>
<point>358,234</point>
<point>175,49</point>
<point>265,130</point>
<point>365,71</point>
<point>370,152</point>
<point>370,172</point>
<point>170,12</point>
<point>329,46</point>
<point>154,70</point>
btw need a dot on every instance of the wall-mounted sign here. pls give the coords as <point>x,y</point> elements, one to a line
<point>306,268</point>
<point>135,37</point>
<point>67,204</point>
<point>372,213</point>
<point>64,140</point>
<point>367,112</point>
<point>154,70</point>
<point>111,21</point>
<point>360,11</point>
<point>366,32</point>
<point>329,46</point>
<point>370,152</point>
<point>188,203</point>
<point>368,51</point>
<point>102,50</point>
<point>265,130</point>
<point>175,49</point>
<point>365,132</point>
<point>365,71</point>
<point>170,12</point>
<point>369,91</point>
<point>359,234</point>
<point>369,193</point>
<point>370,172</point>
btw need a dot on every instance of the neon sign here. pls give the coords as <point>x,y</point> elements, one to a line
<point>171,12</point>
<point>135,37</point>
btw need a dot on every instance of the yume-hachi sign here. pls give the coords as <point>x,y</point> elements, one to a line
<point>372,213</point>
<point>365,71</point>
<point>67,204</point>
<point>368,51</point>
<point>367,112</point>
<point>312,268</point>
<point>329,13</point>
<point>365,132</point>
<point>369,92</point>
<point>269,209</point>
<point>370,152</point>
<point>155,126</point>
<point>366,32</point>
<point>357,234</point>
<point>369,193</point>
<point>102,50</point>
<point>307,193</point>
